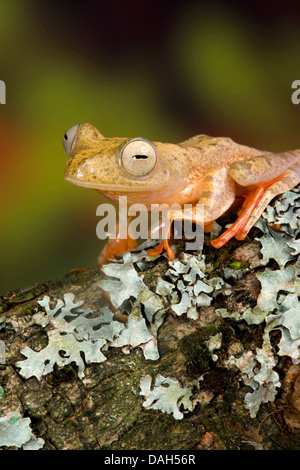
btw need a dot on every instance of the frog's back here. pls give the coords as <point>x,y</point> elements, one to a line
<point>219,151</point>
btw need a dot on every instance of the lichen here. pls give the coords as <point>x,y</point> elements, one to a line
<point>167,395</point>
<point>187,285</point>
<point>277,306</point>
<point>15,431</point>
<point>67,339</point>
<point>191,279</point>
<point>275,245</point>
<point>258,373</point>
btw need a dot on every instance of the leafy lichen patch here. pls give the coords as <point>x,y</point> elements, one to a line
<point>258,301</point>
<point>67,340</point>
<point>15,431</point>
<point>258,373</point>
<point>167,395</point>
<point>278,303</point>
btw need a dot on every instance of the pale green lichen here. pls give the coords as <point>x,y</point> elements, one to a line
<point>273,282</point>
<point>275,245</point>
<point>68,339</point>
<point>287,211</point>
<point>257,373</point>
<point>286,319</point>
<point>214,342</point>
<point>186,286</point>
<point>126,284</point>
<point>190,278</point>
<point>74,332</point>
<point>61,350</point>
<point>277,306</point>
<point>167,395</point>
<point>15,431</point>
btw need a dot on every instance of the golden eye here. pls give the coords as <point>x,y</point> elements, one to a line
<point>69,137</point>
<point>139,157</point>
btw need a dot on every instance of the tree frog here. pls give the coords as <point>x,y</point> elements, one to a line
<point>215,172</point>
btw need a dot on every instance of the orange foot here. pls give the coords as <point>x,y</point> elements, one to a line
<point>114,247</point>
<point>237,229</point>
<point>78,270</point>
<point>164,245</point>
<point>159,249</point>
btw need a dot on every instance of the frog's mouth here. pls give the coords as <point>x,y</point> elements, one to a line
<point>116,188</point>
<point>87,176</point>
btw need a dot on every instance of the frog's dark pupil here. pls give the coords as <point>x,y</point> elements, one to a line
<point>140,157</point>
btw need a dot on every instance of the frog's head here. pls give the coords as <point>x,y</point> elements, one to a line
<point>115,164</point>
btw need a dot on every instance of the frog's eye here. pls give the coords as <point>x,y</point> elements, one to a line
<point>139,157</point>
<point>69,137</point>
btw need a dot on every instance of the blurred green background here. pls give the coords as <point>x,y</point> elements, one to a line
<point>161,70</point>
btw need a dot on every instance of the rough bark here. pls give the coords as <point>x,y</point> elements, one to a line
<point>104,410</point>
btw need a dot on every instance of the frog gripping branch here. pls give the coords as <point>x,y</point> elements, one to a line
<point>207,171</point>
<point>143,353</point>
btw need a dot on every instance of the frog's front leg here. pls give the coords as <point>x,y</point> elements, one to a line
<point>283,168</point>
<point>117,245</point>
<point>217,196</point>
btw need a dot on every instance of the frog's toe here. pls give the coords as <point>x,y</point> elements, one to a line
<point>238,226</point>
<point>169,250</point>
<point>164,245</point>
<point>78,270</point>
<point>156,250</point>
<point>115,247</point>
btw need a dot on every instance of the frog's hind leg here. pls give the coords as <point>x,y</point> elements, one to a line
<point>257,201</point>
<point>290,179</point>
<point>263,168</point>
